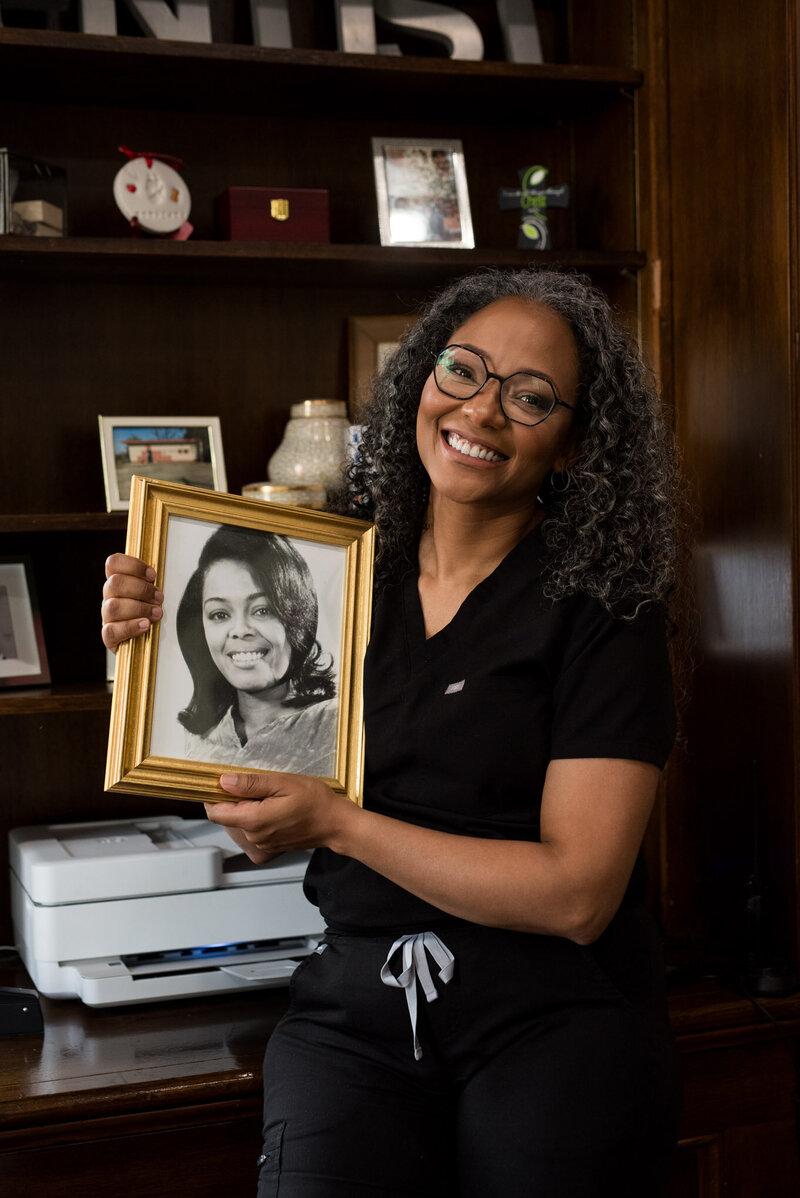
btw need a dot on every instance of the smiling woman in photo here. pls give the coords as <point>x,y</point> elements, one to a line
<point>264,691</point>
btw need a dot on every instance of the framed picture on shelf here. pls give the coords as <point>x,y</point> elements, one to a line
<point>371,340</point>
<point>257,662</point>
<point>421,186</point>
<point>23,659</point>
<point>175,449</point>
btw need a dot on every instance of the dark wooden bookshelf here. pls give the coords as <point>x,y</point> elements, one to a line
<point>273,261</point>
<point>79,68</point>
<point>36,700</point>
<point>102,322</point>
<point>27,522</point>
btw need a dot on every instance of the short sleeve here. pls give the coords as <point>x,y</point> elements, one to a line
<point>613,696</point>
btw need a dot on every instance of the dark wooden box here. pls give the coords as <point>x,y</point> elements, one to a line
<point>274,214</point>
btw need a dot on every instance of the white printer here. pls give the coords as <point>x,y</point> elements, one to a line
<point>137,910</point>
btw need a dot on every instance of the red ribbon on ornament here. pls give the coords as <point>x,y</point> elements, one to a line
<point>175,163</point>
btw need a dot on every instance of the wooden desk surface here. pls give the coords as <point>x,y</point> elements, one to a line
<point>173,1090</point>
<point>209,1050</point>
<point>109,1062</point>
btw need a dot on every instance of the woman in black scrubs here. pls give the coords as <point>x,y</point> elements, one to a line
<point>485,1017</point>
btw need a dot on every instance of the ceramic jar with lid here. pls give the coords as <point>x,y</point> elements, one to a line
<point>314,445</point>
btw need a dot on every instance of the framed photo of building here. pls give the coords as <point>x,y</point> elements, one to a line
<point>421,186</point>
<point>257,663</point>
<point>176,449</point>
<point>23,659</point>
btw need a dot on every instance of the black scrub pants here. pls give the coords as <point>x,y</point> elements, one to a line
<point>548,1071</point>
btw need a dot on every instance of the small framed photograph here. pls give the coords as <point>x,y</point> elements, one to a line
<point>23,660</point>
<point>257,662</point>
<point>174,449</point>
<point>422,192</point>
<point>371,340</point>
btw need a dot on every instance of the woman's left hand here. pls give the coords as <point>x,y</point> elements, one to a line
<point>283,812</point>
<point>570,883</point>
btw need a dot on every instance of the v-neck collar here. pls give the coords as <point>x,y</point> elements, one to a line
<point>422,648</point>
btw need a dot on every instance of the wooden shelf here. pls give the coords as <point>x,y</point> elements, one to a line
<point>275,261</point>
<point>709,1013</point>
<point>94,696</point>
<point>63,521</point>
<point>78,68</point>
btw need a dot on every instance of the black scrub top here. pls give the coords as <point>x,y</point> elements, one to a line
<point>460,728</point>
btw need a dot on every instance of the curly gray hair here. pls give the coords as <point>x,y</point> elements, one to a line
<point>610,519</point>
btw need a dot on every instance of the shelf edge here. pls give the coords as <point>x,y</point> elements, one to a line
<point>36,40</point>
<point>41,700</point>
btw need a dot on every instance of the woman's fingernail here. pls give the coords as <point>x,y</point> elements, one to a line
<point>158,596</point>
<point>157,613</point>
<point>144,625</point>
<point>229,780</point>
<point>150,574</point>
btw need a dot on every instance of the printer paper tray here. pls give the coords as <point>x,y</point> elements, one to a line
<point>125,990</point>
<point>209,957</point>
<point>108,982</point>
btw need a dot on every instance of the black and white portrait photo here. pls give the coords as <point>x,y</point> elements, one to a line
<point>249,652</point>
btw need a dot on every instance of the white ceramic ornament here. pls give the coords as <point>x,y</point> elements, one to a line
<point>151,194</point>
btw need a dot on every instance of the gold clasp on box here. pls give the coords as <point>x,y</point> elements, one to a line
<point>279,209</point>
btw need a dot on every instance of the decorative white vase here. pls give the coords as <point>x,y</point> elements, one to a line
<point>314,445</point>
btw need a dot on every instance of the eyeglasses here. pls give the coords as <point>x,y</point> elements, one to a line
<point>525,397</point>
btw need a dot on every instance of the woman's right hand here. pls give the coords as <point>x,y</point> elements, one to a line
<point>131,600</point>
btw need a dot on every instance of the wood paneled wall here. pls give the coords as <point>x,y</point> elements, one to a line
<point>731,360</point>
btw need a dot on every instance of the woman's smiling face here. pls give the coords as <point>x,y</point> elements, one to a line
<point>512,335</point>
<point>247,642</point>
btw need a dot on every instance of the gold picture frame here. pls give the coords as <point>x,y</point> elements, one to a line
<point>155,747</point>
<point>370,341</point>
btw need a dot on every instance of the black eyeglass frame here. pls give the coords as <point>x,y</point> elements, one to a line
<point>557,401</point>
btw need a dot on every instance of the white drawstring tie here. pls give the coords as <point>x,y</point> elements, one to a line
<point>415,965</point>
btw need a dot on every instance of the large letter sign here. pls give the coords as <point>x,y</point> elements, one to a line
<point>190,21</point>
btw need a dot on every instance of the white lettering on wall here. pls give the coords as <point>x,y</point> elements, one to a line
<point>271,23</point>
<point>192,23</point>
<point>355,24</point>
<point>98,16</point>
<point>440,23</point>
